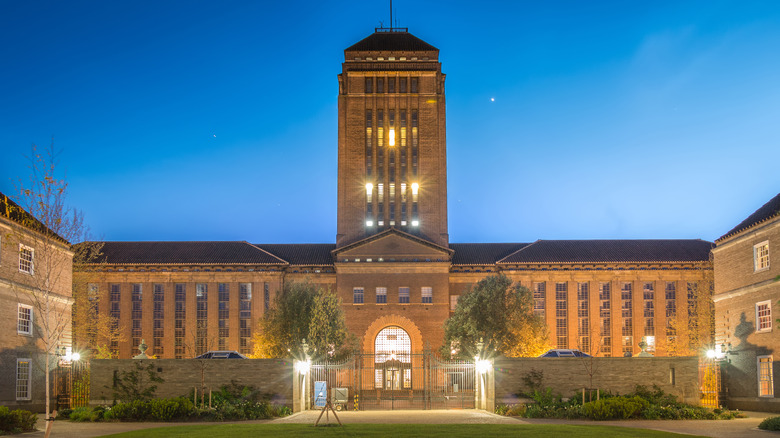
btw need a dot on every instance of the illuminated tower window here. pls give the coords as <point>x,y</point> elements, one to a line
<point>369,144</point>
<point>605,314</point>
<point>414,143</point>
<point>561,315</point>
<point>391,133</point>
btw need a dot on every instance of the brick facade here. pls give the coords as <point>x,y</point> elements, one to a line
<point>740,288</point>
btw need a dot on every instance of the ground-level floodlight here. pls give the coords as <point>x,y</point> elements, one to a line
<point>483,366</point>
<point>302,366</point>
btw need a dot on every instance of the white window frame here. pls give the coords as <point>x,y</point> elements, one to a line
<point>24,386</point>
<point>356,294</point>
<point>768,328</point>
<point>31,270</point>
<point>426,295</point>
<point>769,363</point>
<point>19,320</point>
<point>758,258</point>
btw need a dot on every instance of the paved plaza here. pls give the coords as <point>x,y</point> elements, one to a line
<point>738,428</point>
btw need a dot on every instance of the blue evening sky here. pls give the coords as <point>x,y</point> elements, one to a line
<point>213,120</point>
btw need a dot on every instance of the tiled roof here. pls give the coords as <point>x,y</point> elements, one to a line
<point>767,211</point>
<point>601,251</point>
<point>390,41</point>
<point>186,253</point>
<point>301,254</point>
<point>11,210</point>
<point>482,253</point>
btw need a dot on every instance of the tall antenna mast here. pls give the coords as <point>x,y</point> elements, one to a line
<point>391,15</point>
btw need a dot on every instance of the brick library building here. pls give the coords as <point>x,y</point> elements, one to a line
<point>392,264</point>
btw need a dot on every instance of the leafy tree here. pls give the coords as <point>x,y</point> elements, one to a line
<point>303,311</point>
<point>501,315</point>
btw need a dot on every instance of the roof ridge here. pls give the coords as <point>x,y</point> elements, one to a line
<point>261,249</point>
<point>521,249</point>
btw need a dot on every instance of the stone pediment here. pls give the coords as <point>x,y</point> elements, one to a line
<point>393,245</point>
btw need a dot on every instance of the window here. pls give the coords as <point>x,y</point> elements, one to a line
<point>23,379</point>
<point>427,295</point>
<point>223,314</point>
<point>381,295</point>
<point>561,314</point>
<point>761,256</point>
<point>179,315</point>
<point>24,321</point>
<point>380,85</point>
<point>158,332</point>
<point>357,295</point>
<point>539,291</point>
<point>454,302</point>
<point>26,256</point>
<point>764,316</point>
<point>201,318</point>
<point>369,85</point>
<point>605,314</point>
<point>403,295</point>
<point>765,384</point>
<point>391,85</point>
<point>266,297</point>
<point>402,85</point>
<point>414,85</point>
<point>583,326</point>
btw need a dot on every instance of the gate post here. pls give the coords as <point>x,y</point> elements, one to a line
<point>485,385</point>
<point>301,385</point>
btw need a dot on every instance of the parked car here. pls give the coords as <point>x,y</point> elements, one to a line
<point>221,355</point>
<point>559,352</point>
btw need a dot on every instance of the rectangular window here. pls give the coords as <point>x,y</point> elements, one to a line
<point>765,384</point>
<point>23,379</point>
<point>605,314</point>
<point>561,314</point>
<point>381,295</point>
<point>414,85</point>
<point>369,85</point>
<point>391,85</point>
<point>761,256</point>
<point>24,321</point>
<point>223,314</point>
<point>369,144</point>
<point>159,315</point>
<point>266,297</point>
<point>402,85</point>
<point>454,302</point>
<point>764,316</point>
<point>380,85</point>
<point>539,291</point>
<point>671,299</point>
<point>403,295</point>
<point>648,295</point>
<point>414,143</point>
<point>627,298</point>
<point>201,318</point>
<point>26,259</point>
<point>179,315</point>
<point>427,295</point>
<point>583,315</point>
<point>357,295</point>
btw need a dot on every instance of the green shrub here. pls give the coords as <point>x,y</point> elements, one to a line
<point>501,409</point>
<point>771,423</point>
<point>64,414</point>
<point>614,408</point>
<point>17,420</point>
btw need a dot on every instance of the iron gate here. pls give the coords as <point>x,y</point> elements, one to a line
<point>71,385</point>
<point>397,381</point>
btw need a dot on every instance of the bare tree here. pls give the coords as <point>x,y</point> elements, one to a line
<point>43,280</point>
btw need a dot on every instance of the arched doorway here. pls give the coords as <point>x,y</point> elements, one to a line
<point>392,359</point>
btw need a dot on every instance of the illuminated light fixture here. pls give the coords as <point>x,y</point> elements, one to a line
<point>369,223</point>
<point>483,366</point>
<point>392,137</point>
<point>711,354</point>
<point>415,223</point>
<point>302,367</point>
<point>415,188</point>
<point>75,356</point>
<point>369,188</point>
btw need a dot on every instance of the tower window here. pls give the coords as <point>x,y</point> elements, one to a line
<point>357,295</point>
<point>403,295</point>
<point>414,143</point>
<point>391,85</point>
<point>402,85</point>
<point>369,85</point>
<point>381,295</point>
<point>380,85</point>
<point>414,85</point>
<point>369,144</point>
<point>380,128</point>
<point>427,295</point>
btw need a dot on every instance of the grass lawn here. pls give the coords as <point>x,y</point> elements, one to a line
<point>393,430</point>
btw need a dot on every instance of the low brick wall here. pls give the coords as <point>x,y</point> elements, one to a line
<point>618,375</point>
<point>269,376</point>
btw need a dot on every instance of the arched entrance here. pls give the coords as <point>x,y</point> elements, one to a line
<point>392,359</point>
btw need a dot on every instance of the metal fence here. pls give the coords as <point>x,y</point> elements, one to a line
<point>71,385</point>
<point>709,383</point>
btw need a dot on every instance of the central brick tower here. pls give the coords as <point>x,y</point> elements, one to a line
<point>392,162</point>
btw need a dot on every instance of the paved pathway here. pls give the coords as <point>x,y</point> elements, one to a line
<point>738,428</point>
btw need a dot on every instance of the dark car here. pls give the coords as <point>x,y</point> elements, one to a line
<point>221,355</point>
<point>565,353</point>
